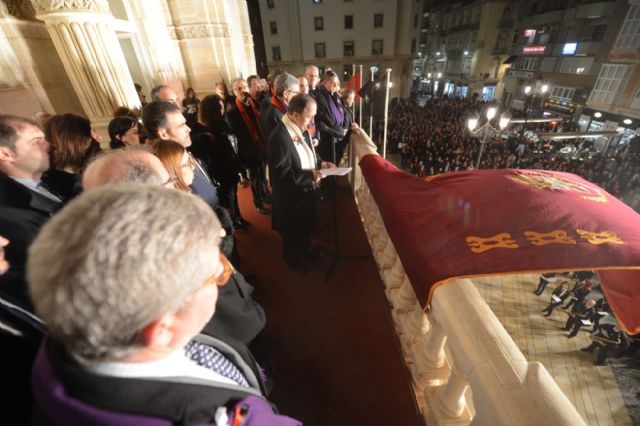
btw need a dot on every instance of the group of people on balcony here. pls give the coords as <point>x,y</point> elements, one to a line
<point>607,338</point>
<point>434,139</point>
<point>118,266</point>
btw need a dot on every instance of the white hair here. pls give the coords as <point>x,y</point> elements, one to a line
<point>114,260</point>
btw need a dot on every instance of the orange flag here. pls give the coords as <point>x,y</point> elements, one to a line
<point>354,84</point>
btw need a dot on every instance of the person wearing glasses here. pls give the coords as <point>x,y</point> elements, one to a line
<point>177,161</point>
<point>331,119</point>
<point>286,87</point>
<point>125,310</point>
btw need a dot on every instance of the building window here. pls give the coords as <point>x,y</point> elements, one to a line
<point>318,23</point>
<point>415,21</point>
<point>576,65</point>
<point>270,4</point>
<point>548,64</point>
<point>378,20</point>
<point>348,48</point>
<point>562,93</point>
<point>347,69</point>
<point>274,27</point>
<point>629,37</point>
<point>635,103</point>
<point>528,64</point>
<point>348,22</point>
<point>320,50</point>
<point>377,47</point>
<point>275,50</point>
<point>609,81</point>
<point>598,32</point>
<point>413,45</point>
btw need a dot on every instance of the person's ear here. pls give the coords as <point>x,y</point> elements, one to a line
<point>163,133</point>
<point>160,333</point>
<point>6,154</point>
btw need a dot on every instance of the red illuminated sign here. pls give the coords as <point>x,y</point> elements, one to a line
<point>529,33</point>
<point>536,50</point>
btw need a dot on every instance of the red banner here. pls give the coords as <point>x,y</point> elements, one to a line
<point>354,84</point>
<point>507,221</point>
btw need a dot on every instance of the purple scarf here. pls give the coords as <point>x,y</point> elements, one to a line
<point>336,107</point>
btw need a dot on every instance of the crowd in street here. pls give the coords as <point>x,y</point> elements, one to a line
<point>434,139</point>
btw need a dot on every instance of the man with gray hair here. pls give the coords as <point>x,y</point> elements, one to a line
<point>125,277</point>
<point>166,94</point>
<point>313,77</point>
<point>286,87</point>
<point>126,165</point>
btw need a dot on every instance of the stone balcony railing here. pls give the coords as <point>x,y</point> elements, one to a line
<point>464,365</point>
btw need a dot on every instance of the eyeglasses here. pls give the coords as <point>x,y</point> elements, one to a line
<point>188,164</point>
<point>223,277</point>
<point>169,182</point>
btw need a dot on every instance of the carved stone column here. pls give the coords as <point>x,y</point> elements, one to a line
<point>85,39</point>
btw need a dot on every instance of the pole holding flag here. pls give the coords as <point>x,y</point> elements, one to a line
<point>386,114</point>
<point>372,69</point>
<point>360,91</point>
<point>354,75</point>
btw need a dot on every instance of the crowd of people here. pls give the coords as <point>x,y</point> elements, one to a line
<point>434,139</point>
<point>90,288</point>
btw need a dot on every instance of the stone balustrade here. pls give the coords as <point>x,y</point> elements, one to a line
<point>464,365</point>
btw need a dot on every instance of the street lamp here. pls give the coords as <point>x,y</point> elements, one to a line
<point>486,131</point>
<point>531,93</point>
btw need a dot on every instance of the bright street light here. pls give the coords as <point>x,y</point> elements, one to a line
<point>505,118</point>
<point>472,121</point>
<point>491,112</point>
<point>527,90</point>
<point>544,88</point>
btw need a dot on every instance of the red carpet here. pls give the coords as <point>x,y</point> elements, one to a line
<point>332,344</point>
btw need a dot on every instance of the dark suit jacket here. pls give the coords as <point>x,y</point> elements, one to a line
<point>22,213</point>
<point>215,148</point>
<point>330,132</point>
<point>249,153</point>
<point>293,204</point>
<point>270,116</point>
<point>237,315</point>
<point>181,400</point>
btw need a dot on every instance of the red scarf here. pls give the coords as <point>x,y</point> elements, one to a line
<point>276,103</point>
<point>256,132</point>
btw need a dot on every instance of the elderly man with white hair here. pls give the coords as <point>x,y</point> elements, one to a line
<point>126,277</point>
<point>286,87</point>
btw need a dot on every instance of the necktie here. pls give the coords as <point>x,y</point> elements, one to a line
<point>208,357</point>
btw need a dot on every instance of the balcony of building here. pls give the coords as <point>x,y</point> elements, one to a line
<point>358,348</point>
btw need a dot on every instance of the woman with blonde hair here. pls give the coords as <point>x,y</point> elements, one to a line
<point>177,161</point>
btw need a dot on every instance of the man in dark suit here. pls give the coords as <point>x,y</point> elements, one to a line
<point>244,119</point>
<point>294,173</point>
<point>330,120</point>
<point>286,87</point>
<point>138,335</point>
<point>28,197</point>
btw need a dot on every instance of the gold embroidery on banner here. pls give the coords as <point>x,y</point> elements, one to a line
<point>548,181</point>
<point>600,237</point>
<point>480,244</point>
<point>554,237</point>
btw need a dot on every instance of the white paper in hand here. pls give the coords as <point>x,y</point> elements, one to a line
<point>336,171</point>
